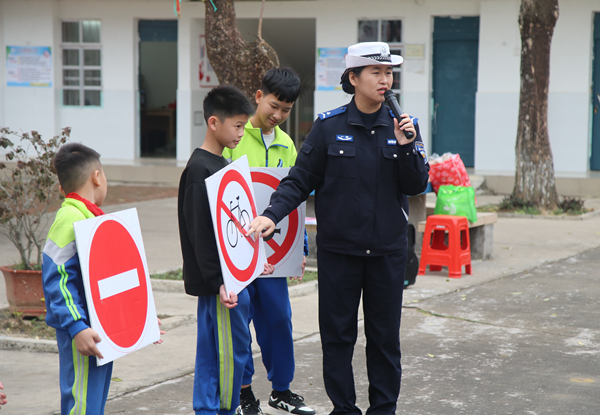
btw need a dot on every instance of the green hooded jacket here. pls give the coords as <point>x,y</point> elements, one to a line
<point>281,153</point>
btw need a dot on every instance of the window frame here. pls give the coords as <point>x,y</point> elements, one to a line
<point>81,68</point>
<point>395,47</point>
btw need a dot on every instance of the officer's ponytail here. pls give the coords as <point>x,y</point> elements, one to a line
<point>345,81</point>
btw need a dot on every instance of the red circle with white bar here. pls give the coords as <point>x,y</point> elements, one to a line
<point>279,251</point>
<point>118,284</point>
<point>229,177</point>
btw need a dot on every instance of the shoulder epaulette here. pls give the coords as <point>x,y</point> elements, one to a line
<point>332,113</point>
<point>414,120</point>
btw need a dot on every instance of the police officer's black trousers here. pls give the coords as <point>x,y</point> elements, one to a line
<point>342,279</point>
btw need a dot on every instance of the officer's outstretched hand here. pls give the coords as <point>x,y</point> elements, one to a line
<point>406,124</point>
<point>261,226</point>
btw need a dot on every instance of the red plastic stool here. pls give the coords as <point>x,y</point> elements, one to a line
<point>436,253</point>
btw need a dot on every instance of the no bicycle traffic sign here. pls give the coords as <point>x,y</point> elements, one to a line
<point>285,249</point>
<point>232,205</point>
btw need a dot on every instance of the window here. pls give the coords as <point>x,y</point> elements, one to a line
<point>390,32</point>
<point>82,59</point>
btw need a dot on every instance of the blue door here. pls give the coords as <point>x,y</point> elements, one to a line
<point>595,159</point>
<point>455,53</point>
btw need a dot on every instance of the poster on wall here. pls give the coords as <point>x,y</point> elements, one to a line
<point>206,74</point>
<point>331,64</point>
<point>29,66</point>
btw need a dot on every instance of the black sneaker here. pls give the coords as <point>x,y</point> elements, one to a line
<point>249,407</point>
<point>289,402</point>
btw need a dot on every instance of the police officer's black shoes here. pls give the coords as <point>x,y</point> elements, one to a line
<point>249,407</point>
<point>289,402</point>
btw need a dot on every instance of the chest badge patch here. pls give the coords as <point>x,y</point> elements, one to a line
<point>421,149</point>
<point>391,142</point>
<point>344,138</point>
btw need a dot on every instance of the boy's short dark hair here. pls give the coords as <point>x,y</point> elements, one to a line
<point>74,163</point>
<point>226,101</point>
<point>284,83</point>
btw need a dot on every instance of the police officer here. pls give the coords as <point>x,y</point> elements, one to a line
<point>361,166</point>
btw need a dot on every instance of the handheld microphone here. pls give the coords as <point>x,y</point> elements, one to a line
<point>390,99</point>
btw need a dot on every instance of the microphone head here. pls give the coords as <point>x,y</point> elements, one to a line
<point>388,93</point>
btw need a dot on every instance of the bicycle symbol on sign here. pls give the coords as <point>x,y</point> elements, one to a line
<point>235,225</point>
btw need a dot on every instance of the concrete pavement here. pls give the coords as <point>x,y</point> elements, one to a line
<point>439,320</point>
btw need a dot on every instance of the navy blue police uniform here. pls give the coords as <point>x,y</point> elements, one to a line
<point>361,177</point>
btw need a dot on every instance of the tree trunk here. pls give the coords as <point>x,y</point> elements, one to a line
<point>235,61</point>
<point>534,178</point>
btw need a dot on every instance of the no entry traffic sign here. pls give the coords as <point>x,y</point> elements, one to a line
<point>232,205</point>
<point>118,291</point>
<point>286,248</point>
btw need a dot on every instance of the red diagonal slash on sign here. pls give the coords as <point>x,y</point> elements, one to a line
<point>229,177</point>
<point>236,222</point>
<point>279,251</point>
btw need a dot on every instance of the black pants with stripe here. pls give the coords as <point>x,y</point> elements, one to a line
<point>342,280</point>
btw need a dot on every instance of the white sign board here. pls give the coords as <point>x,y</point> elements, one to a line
<point>116,282</point>
<point>233,207</point>
<point>285,250</point>
<point>29,66</point>
<point>331,64</point>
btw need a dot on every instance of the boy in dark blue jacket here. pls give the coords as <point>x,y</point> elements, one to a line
<point>83,384</point>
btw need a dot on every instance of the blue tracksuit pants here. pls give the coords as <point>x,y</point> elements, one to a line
<point>271,313</point>
<point>83,384</point>
<point>342,280</point>
<point>221,354</point>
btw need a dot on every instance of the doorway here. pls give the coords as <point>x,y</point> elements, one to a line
<point>158,88</point>
<point>595,158</point>
<point>455,56</point>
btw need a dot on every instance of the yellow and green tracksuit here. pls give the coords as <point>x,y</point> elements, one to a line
<point>271,311</point>
<point>281,153</point>
<point>83,384</point>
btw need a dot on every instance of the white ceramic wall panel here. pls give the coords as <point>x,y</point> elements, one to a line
<point>29,23</point>
<point>496,131</point>
<point>109,129</point>
<point>568,115</point>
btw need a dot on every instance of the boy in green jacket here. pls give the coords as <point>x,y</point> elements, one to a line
<point>266,145</point>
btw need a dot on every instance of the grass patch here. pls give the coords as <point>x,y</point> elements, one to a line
<point>177,274</point>
<point>308,276</point>
<point>510,204</point>
<point>19,326</point>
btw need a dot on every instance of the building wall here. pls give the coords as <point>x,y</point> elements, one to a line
<point>113,128</point>
<point>29,108</point>
<point>499,82</point>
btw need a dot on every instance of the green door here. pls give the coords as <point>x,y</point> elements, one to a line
<point>455,54</point>
<point>595,159</point>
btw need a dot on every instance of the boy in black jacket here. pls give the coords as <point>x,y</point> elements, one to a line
<point>223,335</point>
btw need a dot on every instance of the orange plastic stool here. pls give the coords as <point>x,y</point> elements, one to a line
<point>436,253</point>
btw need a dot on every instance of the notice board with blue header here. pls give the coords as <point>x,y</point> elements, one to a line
<point>29,66</point>
<point>331,64</point>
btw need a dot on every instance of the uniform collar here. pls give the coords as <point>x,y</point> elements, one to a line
<point>383,118</point>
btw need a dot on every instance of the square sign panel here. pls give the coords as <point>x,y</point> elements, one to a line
<point>116,282</point>
<point>285,250</point>
<point>233,208</point>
